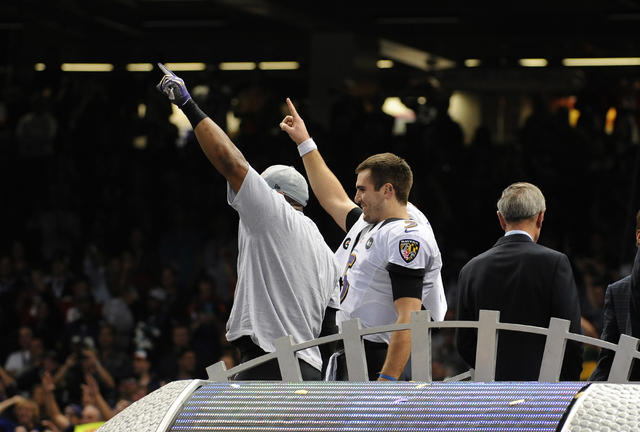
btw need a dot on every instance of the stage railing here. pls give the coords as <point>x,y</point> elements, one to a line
<point>488,326</point>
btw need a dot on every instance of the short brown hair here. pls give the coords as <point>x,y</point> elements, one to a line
<point>389,168</point>
<point>638,220</point>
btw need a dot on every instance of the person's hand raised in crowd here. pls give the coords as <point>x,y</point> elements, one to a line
<point>47,382</point>
<point>71,360</point>
<point>294,126</point>
<point>50,426</point>
<point>91,385</point>
<point>91,356</point>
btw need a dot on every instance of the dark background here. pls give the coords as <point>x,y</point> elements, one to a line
<point>76,194</point>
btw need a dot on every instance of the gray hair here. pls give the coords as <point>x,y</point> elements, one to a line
<point>521,201</point>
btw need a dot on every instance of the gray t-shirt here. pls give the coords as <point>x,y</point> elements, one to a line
<point>287,275</point>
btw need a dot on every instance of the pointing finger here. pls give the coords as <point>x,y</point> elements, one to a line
<point>292,108</point>
<point>164,69</point>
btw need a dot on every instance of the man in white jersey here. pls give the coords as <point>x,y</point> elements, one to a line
<point>390,259</point>
<point>287,275</point>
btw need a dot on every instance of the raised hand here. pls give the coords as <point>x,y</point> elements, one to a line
<point>47,382</point>
<point>294,126</point>
<point>173,87</point>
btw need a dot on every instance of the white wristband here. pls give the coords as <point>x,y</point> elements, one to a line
<point>306,146</point>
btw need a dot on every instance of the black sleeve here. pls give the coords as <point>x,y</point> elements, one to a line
<point>405,282</point>
<point>566,305</point>
<point>634,306</point>
<point>610,333</point>
<point>329,327</point>
<point>466,310</point>
<point>352,217</point>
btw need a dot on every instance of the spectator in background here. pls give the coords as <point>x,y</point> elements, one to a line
<point>7,276</point>
<point>25,379</point>
<point>113,358</point>
<point>167,360</point>
<point>206,312</point>
<point>82,361</point>
<point>187,363</point>
<point>30,379</point>
<point>230,356</point>
<point>25,413</point>
<point>18,360</point>
<point>37,129</point>
<point>7,385</point>
<point>143,372</point>
<point>528,283</point>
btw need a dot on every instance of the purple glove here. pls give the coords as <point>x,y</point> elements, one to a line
<point>173,87</point>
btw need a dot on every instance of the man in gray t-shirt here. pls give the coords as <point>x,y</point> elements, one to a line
<point>287,275</point>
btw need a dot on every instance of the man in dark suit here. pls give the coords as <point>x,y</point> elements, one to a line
<point>528,283</point>
<point>616,316</point>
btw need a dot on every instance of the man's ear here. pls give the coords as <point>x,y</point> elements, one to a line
<point>539,219</point>
<point>388,189</point>
<point>638,237</point>
<point>503,223</point>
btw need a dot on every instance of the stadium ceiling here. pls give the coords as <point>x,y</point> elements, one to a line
<point>121,31</point>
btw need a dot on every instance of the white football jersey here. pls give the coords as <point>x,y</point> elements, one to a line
<point>366,285</point>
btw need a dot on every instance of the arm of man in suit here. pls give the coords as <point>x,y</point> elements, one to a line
<point>466,338</point>
<point>634,306</point>
<point>565,305</point>
<point>610,333</point>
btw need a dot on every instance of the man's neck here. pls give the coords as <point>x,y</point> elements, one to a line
<point>396,210</point>
<point>523,227</point>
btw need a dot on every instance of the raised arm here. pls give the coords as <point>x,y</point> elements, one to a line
<point>215,143</point>
<point>325,185</point>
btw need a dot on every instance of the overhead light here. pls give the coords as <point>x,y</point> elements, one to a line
<point>142,110</point>
<point>603,61</point>
<point>279,65</point>
<point>139,67</point>
<point>86,67</point>
<point>394,107</point>
<point>610,120</point>
<point>533,62</point>
<point>384,64</point>
<point>413,56</point>
<point>39,67</point>
<point>237,66</point>
<point>472,63</point>
<point>182,67</point>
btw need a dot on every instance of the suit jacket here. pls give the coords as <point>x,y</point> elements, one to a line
<point>615,321</point>
<point>528,283</point>
<point>634,304</point>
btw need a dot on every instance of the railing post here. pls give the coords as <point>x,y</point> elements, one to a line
<point>217,372</point>
<point>287,361</point>
<point>622,360</point>
<point>554,347</point>
<point>421,346</point>
<point>486,348</point>
<point>354,350</point>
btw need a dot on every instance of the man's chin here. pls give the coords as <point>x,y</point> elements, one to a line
<point>369,219</point>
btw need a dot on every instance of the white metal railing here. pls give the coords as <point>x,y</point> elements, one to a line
<point>421,326</point>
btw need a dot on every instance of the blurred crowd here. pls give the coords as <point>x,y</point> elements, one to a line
<point>117,261</point>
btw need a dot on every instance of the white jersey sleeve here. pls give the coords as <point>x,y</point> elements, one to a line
<point>407,247</point>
